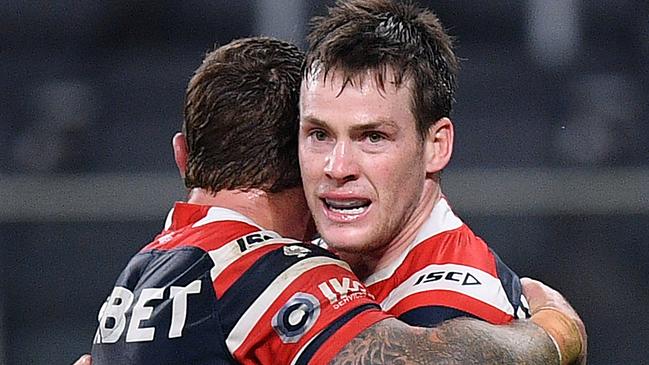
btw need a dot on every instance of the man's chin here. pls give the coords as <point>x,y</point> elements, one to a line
<point>347,243</point>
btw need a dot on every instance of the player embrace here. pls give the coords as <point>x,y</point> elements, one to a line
<point>229,281</point>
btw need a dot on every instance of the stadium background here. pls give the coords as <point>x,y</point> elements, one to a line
<point>551,161</point>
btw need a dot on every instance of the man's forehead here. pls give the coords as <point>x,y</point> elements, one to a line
<point>330,102</point>
<point>384,79</point>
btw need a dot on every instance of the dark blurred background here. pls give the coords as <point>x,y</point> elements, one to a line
<point>551,162</point>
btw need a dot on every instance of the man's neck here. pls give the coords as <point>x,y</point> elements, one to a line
<point>285,212</point>
<point>364,265</point>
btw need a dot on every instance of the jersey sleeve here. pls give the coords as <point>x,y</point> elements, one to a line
<point>463,279</point>
<point>449,291</point>
<point>291,304</point>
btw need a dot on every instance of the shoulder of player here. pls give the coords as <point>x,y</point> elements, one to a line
<point>299,288</point>
<point>458,246</point>
<point>451,245</point>
<point>206,237</point>
<point>261,257</point>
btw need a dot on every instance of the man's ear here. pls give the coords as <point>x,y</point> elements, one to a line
<point>179,144</point>
<point>438,146</point>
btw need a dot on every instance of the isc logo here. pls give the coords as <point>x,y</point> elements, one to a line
<point>464,278</point>
<point>342,292</point>
<point>253,239</point>
<point>112,315</point>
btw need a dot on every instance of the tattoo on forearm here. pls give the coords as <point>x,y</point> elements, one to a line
<point>460,341</point>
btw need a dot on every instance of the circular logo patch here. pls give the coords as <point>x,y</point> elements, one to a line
<point>296,317</point>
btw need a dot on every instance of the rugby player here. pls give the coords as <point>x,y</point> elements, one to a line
<point>223,283</point>
<point>375,135</point>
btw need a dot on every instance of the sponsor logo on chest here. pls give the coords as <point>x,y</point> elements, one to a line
<point>341,292</point>
<point>123,310</point>
<point>462,278</point>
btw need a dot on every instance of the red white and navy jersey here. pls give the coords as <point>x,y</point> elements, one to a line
<point>215,288</point>
<point>447,272</point>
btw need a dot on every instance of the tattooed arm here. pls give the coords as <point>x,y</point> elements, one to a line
<point>458,341</point>
<point>554,335</point>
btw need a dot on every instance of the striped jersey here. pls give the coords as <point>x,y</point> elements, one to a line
<point>447,272</point>
<point>215,288</point>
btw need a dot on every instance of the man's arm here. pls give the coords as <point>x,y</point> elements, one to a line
<point>555,315</point>
<point>457,341</point>
<point>554,335</point>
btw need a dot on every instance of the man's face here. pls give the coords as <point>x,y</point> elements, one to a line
<point>362,161</point>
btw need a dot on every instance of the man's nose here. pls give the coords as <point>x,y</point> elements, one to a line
<point>341,164</point>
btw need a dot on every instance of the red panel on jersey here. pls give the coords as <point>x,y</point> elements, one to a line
<point>458,246</point>
<point>208,237</point>
<point>449,242</point>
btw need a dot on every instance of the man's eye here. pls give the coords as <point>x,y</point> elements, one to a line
<point>375,137</point>
<point>319,135</point>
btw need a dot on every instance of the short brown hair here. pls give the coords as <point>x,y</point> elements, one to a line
<point>383,35</point>
<point>241,117</point>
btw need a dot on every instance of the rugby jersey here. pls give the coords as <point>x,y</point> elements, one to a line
<point>215,288</point>
<point>447,272</point>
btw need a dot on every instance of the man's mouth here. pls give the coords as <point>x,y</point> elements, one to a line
<point>350,207</point>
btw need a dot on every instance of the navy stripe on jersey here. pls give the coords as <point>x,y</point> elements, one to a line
<point>431,316</point>
<point>243,293</point>
<point>511,283</point>
<point>176,266</point>
<point>317,342</point>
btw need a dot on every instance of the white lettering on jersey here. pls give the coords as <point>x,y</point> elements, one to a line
<point>140,313</point>
<point>179,307</point>
<point>340,293</point>
<point>115,308</point>
<point>462,279</point>
<point>120,301</point>
<point>102,311</point>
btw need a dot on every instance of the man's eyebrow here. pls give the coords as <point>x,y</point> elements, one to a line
<point>313,121</point>
<point>383,124</point>
<point>378,124</point>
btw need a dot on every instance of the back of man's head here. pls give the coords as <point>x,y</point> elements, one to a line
<point>357,36</point>
<point>241,117</point>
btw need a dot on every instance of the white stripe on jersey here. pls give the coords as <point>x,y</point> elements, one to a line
<point>523,308</point>
<point>441,219</point>
<point>231,251</point>
<point>169,219</point>
<point>217,214</point>
<point>259,307</point>
<point>490,289</point>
